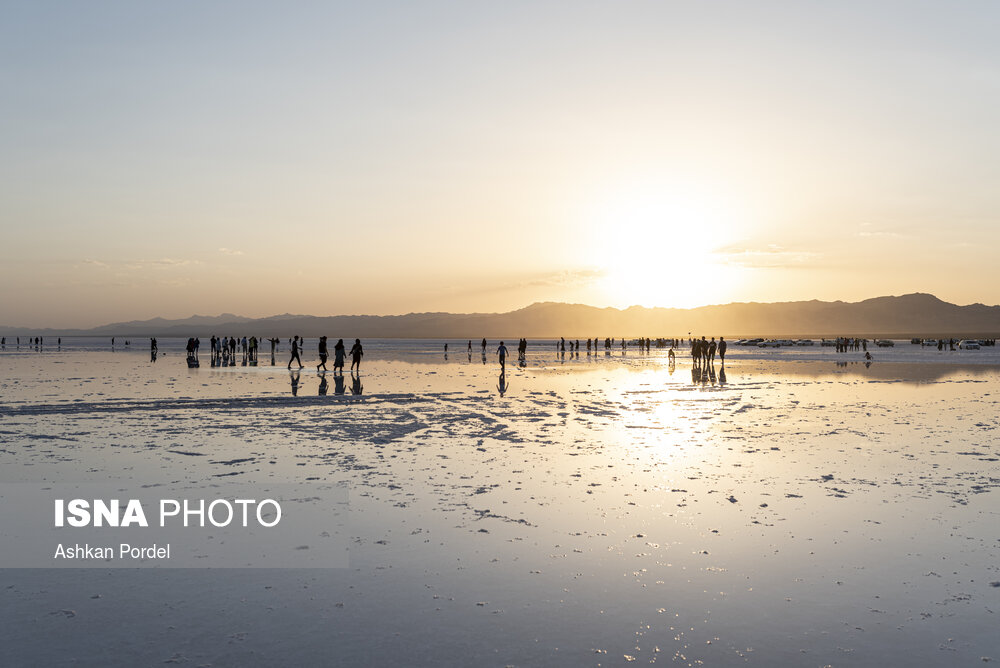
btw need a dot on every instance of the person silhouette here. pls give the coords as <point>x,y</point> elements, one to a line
<point>502,352</point>
<point>357,352</point>
<point>323,354</point>
<point>295,353</point>
<point>338,356</point>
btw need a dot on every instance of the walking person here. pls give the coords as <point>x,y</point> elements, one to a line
<point>323,354</point>
<point>338,356</point>
<point>722,351</point>
<point>357,352</point>
<point>295,353</point>
<point>502,352</point>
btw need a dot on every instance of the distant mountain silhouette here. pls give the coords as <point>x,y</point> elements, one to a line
<point>903,316</point>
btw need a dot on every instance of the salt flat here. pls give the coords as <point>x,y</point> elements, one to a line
<point>803,510</point>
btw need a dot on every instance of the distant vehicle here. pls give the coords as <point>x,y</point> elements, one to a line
<point>884,343</point>
<point>916,341</point>
<point>805,342</point>
<point>769,344</point>
<point>753,342</point>
<point>968,344</point>
<point>826,343</point>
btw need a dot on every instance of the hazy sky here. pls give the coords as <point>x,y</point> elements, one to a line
<point>171,158</point>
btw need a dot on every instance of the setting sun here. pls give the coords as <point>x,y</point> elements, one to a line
<point>655,242</point>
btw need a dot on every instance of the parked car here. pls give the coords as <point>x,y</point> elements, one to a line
<point>805,342</point>
<point>884,343</point>
<point>968,344</point>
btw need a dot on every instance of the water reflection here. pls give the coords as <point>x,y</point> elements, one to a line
<point>294,375</point>
<point>356,386</point>
<point>502,385</point>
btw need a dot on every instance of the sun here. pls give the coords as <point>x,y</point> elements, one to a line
<point>655,243</point>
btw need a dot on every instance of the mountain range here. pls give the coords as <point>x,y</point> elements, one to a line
<point>909,315</point>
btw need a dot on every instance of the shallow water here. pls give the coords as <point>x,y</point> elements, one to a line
<point>601,511</point>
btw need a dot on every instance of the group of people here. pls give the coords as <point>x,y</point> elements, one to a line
<point>339,352</point>
<point>847,344</point>
<point>703,351</point>
<point>38,341</point>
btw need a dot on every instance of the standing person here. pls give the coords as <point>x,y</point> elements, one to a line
<point>722,353</point>
<point>338,356</point>
<point>295,353</point>
<point>323,354</point>
<point>502,352</point>
<point>711,351</point>
<point>484,346</point>
<point>470,346</point>
<point>357,352</point>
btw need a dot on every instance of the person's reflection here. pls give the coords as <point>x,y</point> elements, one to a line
<point>711,373</point>
<point>356,386</point>
<point>722,375</point>
<point>338,384</point>
<point>323,385</point>
<point>272,358</point>
<point>470,356</point>
<point>502,385</point>
<point>671,367</point>
<point>295,381</point>
<point>484,358</point>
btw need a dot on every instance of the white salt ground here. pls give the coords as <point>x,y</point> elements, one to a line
<point>601,512</point>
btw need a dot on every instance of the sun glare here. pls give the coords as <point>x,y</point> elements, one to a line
<point>656,245</point>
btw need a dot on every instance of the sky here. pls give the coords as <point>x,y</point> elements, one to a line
<point>168,159</point>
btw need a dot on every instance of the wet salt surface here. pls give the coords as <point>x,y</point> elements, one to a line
<point>601,512</point>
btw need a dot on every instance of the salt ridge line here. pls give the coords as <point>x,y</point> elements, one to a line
<point>120,406</point>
